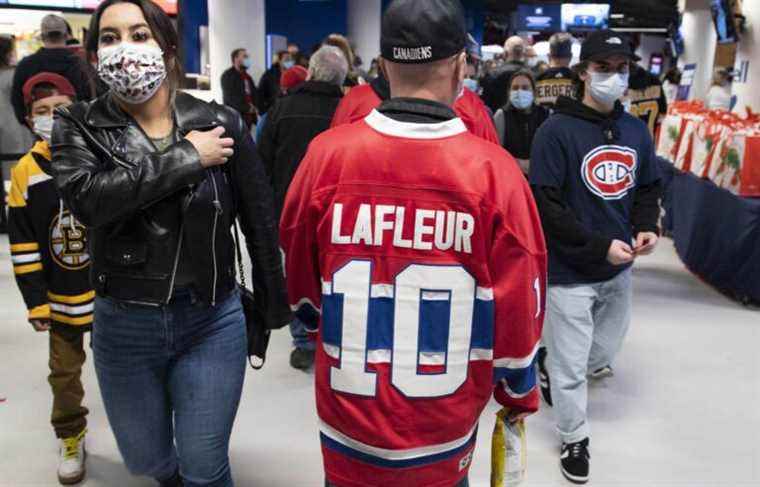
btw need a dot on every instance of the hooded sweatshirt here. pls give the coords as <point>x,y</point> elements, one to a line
<point>595,179</point>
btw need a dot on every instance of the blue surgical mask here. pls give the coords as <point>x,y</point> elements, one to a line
<point>472,85</point>
<point>288,64</point>
<point>521,99</point>
<point>247,63</point>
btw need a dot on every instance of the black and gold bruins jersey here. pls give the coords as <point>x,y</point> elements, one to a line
<point>552,84</point>
<point>646,97</point>
<point>48,245</point>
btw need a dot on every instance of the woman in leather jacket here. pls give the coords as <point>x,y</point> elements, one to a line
<point>159,178</point>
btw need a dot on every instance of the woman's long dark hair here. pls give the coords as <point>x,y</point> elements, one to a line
<point>7,44</point>
<point>161,27</point>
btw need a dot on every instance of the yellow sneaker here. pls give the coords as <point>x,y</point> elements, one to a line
<point>71,468</point>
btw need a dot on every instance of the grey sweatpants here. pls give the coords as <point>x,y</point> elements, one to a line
<point>584,330</point>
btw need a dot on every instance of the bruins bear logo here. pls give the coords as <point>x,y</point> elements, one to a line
<point>68,242</point>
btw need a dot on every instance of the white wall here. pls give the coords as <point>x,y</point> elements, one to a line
<point>233,24</point>
<point>364,17</point>
<point>748,93</point>
<point>700,41</point>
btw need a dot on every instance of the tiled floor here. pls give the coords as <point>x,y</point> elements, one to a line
<point>683,409</point>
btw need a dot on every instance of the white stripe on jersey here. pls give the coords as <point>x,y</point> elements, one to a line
<point>387,454</point>
<point>516,363</point>
<point>25,258</point>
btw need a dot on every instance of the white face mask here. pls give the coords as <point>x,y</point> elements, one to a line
<point>43,127</point>
<point>134,72</point>
<point>607,88</point>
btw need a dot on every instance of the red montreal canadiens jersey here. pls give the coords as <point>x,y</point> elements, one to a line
<point>416,253</point>
<point>363,99</point>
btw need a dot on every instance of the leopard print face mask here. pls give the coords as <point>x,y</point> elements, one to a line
<point>134,72</point>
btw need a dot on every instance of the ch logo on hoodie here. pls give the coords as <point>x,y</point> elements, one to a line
<point>68,242</point>
<point>609,171</point>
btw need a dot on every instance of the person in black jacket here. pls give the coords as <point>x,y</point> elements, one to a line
<point>291,124</point>
<point>159,178</point>
<point>495,84</point>
<point>518,120</point>
<point>238,88</point>
<point>53,57</point>
<point>269,84</point>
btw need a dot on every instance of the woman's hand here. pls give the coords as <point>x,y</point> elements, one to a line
<point>213,149</point>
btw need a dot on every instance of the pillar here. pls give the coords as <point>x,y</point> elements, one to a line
<point>748,61</point>
<point>364,18</point>
<point>700,41</point>
<point>233,24</point>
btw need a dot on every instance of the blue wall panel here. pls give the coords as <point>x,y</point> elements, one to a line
<point>306,22</point>
<point>192,15</point>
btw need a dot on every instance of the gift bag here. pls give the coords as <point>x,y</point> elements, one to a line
<point>729,160</point>
<point>750,167</point>
<point>670,136</point>
<point>686,145</point>
<point>704,144</point>
<point>509,450</point>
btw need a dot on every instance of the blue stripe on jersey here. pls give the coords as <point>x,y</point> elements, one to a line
<point>332,317</point>
<point>380,329</point>
<point>385,463</point>
<point>434,321</point>
<point>519,381</point>
<point>483,324</point>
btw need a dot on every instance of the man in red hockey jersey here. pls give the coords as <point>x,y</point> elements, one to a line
<point>361,100</point>
<point>420,246</point>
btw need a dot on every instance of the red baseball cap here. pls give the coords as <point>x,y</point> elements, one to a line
<point>63,85</point>
<point>293,77</point>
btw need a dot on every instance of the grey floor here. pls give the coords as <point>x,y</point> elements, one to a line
<point>683,409</point>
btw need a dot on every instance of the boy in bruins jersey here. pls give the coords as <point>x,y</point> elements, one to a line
<point>50,262</point>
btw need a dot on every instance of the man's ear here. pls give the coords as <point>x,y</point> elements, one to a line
<point>461,69</point>
<point>29,121</point>
<point>381,67</point>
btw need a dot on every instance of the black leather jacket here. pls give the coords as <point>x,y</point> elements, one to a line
<point>141,205</point>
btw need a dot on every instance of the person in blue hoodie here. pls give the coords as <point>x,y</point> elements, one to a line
<point>597,188</point>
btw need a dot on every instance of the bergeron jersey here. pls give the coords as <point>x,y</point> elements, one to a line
<point>361,100</point>
<point>419,249</point>
<point>48,245</point>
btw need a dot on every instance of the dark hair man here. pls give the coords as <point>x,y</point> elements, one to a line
<point>238,88</point>
<point>596,184</point>
<point>52,57</point>
<point>421,245</point>
<point>559,79</point>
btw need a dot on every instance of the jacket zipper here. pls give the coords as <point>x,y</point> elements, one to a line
<point>218,206</point>
<point>179,247</point>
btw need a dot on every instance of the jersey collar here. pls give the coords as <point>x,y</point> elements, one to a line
<point>415,119</point>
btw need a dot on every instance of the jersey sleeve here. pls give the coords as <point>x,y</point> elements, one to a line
<point>25,248</point>
<point>299,245</point>
<point>518,269</point>
<point>344,112</point>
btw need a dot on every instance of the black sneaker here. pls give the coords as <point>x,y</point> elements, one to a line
<point>574,461</point>
<point>602,373</point>
<point>301,359</point>
<point>543,377</point>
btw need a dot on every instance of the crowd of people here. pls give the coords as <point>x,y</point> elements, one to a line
<point>450,230</point>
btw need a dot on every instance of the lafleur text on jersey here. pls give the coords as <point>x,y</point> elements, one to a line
<point>432,228</point>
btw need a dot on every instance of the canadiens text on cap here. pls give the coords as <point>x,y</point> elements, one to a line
<point>422,31</point>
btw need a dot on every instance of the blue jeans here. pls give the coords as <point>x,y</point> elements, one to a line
<point>300,336</point>
<point>172,374</point>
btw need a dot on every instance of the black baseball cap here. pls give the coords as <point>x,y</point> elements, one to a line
<point>422,31</point>
<point>605,43</point>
